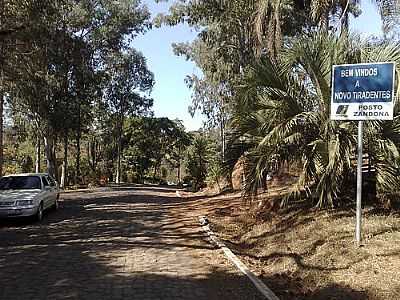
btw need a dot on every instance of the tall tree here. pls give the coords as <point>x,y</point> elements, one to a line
<point>232,36</point>
<point>128,81</point>
<point>178,143</point>
<point>63,45</point>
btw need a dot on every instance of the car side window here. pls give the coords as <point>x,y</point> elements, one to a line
<point>45,182</point>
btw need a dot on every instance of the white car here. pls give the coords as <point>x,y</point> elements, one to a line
<point>23,195</point>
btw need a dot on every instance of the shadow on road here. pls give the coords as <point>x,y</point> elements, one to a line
<point>109,245</point>
<point>118,244</point>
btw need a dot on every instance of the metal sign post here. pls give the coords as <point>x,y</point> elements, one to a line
<point>362,92</point>
<point>359,182</point>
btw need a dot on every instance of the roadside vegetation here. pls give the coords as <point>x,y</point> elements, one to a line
<point>69,80</point>
<point>75,98</point>
<point>265,87</point>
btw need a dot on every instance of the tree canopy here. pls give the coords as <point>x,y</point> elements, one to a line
<point>265,81</point>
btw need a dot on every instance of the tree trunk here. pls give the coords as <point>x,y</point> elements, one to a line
<point>50,159</point>
<point>54,155</point>
<point>264,182</point>
<point>93,154</point>
<point>155,172</point>
<point>345,25</point>
<point>2,83</point>
<point>63,182</point>
<point>90,154</point>
<point>1,122</point>
<point>324,22</point>
<point>222,125</point>
<point>179,172</point>
<point>37,159</point>
<point>88,150</point>
<point>78,158</point>
<point>222,141</point>
<point>96,149</point>
<point>119,147</point>
<point>118,175</point>
<point>78,145</point>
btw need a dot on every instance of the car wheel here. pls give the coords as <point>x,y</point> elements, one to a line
<point>39,214</point>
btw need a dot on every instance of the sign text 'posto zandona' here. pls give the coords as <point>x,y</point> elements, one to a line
<point>363,92</point>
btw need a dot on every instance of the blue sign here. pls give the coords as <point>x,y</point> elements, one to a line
<point>363,83</point>
<point>363,91</point>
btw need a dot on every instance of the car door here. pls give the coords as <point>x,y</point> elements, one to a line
<point>53,189</point>
<point>46,192</point>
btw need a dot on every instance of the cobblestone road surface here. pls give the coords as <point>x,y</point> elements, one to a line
<point>126,243</point>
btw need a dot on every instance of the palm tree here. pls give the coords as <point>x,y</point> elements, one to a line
<point>339,11</point>
<point>390,13</point>
<point>268,23</point>
<point>322,11</point>
<point>270,15</point>
<point>283,115</point>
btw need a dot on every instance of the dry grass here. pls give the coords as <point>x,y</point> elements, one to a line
<point>310,254</point>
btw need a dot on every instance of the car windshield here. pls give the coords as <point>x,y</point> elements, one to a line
<point>20,183</point>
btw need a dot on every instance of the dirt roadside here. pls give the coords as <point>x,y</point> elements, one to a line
<point>309,254</point>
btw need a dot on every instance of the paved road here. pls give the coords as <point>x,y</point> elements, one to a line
<point>127,243</point>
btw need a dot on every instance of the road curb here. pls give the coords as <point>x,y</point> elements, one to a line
<point>261,287</point>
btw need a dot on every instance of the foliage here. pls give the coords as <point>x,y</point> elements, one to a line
<point>283,117</point>
<point>59,58</point>
<point>150,142</point>
<point>265,67</point>
<point>215,171</point>
<point>201,155</point>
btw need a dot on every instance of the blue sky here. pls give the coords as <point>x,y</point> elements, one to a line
<point>171,95</point>
<point>369,22</point>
